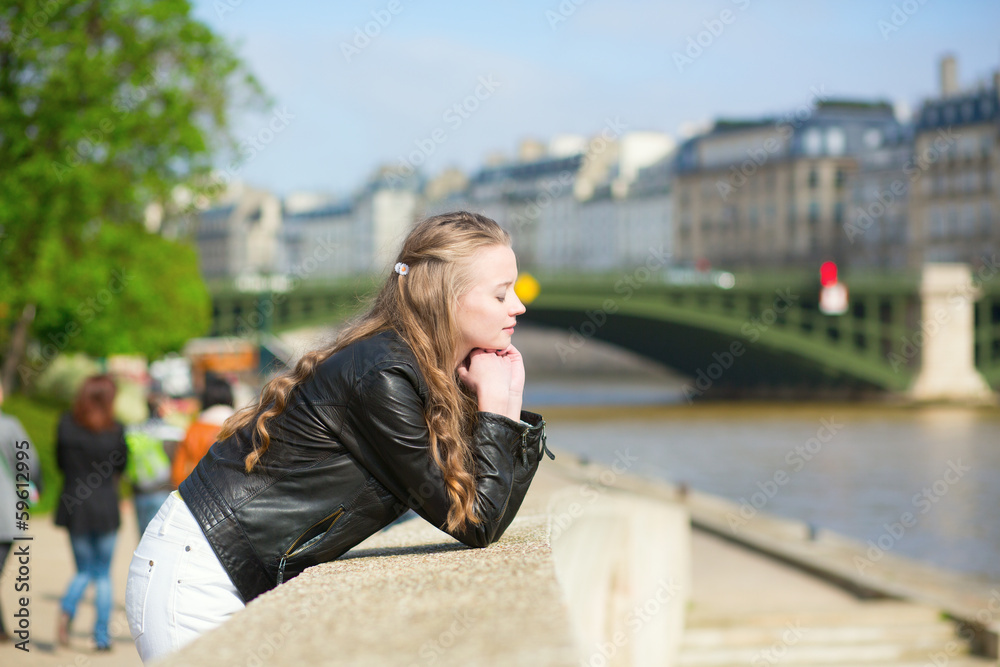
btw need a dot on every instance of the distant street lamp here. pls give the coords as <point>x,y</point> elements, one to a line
<point>832,294</point>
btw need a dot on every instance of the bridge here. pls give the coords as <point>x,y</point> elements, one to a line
<point>933,334</point>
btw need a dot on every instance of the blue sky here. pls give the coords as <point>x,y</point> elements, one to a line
<point>559,67</point>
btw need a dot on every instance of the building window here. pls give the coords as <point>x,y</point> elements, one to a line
<point>813,212</point>
<point>975,181</point>
<point>812,142</point>
<point>874,233</point>
<point>872,138</point>
<point>936,230</point>
<point>986,218</point>
<point>968,220</point>
<point>813,178</point>
<point>730,217</point>
<point>835,141</point>
<point>939,183</point>
<point>840,179</point>
<point>952,228</point>
<point>838,213</point>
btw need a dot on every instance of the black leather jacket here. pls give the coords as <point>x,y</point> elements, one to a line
<point>347,457</point>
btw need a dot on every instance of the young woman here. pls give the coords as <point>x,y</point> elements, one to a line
<point>91,453</point>
<point>416,405</point>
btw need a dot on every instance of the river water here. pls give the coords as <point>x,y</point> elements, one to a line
<point>924,482</point>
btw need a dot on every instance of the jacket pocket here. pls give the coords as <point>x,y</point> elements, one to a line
<point>310,537</point>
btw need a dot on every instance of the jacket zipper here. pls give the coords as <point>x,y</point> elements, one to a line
<point>524,446</point>
<point>545,447</point>
<point>524,443</point>
<point>292,549</point>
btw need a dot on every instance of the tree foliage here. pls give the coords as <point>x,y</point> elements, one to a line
<point>107,106</point>
<point>126,291</point>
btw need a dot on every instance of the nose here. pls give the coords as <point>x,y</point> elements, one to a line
<point>518,308</point>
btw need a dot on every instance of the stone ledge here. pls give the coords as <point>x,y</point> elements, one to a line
<point>412,595</point>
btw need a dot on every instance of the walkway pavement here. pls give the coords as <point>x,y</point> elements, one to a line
<point>51,569</point>
<point>749,609</point>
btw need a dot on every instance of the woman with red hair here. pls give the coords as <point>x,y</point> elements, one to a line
<point>91,453</point>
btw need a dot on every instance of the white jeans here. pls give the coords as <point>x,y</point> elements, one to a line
<point>177,589</point>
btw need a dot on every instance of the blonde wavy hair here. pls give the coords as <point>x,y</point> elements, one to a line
<point>421,308</point>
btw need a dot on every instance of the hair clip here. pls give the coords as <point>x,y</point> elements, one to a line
<point>401,268</point>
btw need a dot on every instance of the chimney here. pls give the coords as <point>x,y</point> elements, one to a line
<point>530,150</point>
<point>949,76</point>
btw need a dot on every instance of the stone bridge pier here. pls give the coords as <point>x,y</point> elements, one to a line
<point>947,337</point>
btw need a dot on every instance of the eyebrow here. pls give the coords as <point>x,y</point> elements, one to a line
<point>505,284</point>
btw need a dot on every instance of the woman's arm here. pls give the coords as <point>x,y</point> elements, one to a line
<point>387,419</point>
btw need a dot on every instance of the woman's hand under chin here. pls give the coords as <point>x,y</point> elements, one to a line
<point>497,378</point>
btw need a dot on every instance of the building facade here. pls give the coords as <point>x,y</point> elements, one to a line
<point>878,226</point>
<point>239,235</point>
<point>577,205</point>
<point>317,243</point>
<point>955,204</point>
<point>773,191</point>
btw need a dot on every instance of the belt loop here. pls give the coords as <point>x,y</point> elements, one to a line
<point>174,504</point>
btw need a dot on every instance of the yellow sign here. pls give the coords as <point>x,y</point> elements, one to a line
<point>526,288</point>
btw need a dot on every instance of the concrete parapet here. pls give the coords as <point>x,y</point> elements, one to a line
<point>551,591</point>
<point>624,566</point>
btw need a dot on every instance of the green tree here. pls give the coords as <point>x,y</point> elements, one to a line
<point>125,291</point>
<point>106,107</point>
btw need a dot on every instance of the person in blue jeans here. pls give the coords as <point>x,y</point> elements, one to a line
<point>92,453</point>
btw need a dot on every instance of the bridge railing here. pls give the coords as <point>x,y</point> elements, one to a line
<point>878,339</point>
